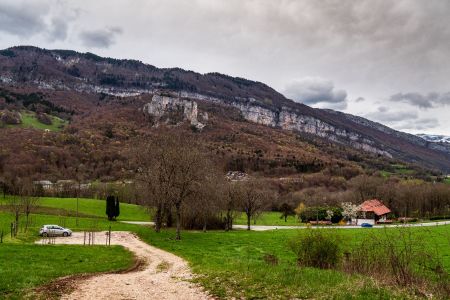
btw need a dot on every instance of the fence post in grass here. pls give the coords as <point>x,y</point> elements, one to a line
<point>109,236</point>
<point>11,230</point>
<point>84,238</point>
<point>1,237</point>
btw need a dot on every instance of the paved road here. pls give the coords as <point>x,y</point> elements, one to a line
<point>266,227</point>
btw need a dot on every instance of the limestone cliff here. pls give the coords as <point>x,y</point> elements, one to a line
<point>175,110</point>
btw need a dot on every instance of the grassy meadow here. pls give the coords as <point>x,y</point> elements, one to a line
<point>232,264</point>
<point>268,218</point>
<point>87,208</point>
<point>229,264</point>
<point>25,266</point>
<point>29,120</point>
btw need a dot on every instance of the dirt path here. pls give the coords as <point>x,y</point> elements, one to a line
<point>164,275</point>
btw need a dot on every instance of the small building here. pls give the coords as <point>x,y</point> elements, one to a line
<point>46,184</point>
<point>372,212</point>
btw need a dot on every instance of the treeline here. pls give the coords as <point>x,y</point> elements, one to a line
<point>406,198</point>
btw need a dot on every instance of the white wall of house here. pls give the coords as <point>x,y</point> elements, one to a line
<point>361,221</point>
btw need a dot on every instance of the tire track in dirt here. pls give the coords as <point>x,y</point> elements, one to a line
<point>161,276</point>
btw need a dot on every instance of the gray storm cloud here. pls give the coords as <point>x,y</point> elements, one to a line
<point>20,19</point>
<point>402,120</point>
<point>101,38</point>
<point>423,100</point>
<point>316,91</point>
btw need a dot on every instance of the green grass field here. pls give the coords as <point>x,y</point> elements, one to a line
<point>25,266</point>
<point>268,218</point>
<point>29,120</point>
<point>232,265</point>
<point>90,208</point>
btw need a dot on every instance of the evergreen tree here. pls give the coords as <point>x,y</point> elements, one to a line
<point>110,207</point>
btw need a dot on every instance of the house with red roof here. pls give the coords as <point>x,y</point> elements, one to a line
<point>373,212</point>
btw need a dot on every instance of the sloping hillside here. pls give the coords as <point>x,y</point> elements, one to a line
<point>63,76</point>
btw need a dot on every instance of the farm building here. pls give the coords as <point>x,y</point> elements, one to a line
<point>372,212</point>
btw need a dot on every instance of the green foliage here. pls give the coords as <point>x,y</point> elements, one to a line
<point>320,213</point>
<point>7,53</point>
<point>318,248</point>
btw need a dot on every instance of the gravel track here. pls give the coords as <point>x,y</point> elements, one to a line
<point>163,275</point>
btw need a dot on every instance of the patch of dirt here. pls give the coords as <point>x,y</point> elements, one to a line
<point>145,280</point>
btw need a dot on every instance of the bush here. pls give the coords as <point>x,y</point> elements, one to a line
<point>320,213</point>
<point>317,248</point>
<point>44,119</point>
<point>399,258</point>
<point>10,117</point>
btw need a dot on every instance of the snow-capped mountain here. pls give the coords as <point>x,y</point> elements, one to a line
<point>436,138</point>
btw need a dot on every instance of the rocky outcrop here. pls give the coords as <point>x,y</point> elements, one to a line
<point>291,120</point>
<point>173,110</point>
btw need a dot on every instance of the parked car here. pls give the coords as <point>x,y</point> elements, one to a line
<point>366,225</point>
<point>54,230</point>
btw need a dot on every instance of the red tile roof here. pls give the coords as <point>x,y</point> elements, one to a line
<point>374,206</point>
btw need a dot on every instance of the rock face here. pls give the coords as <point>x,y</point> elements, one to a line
<point>173,110</point>
<point>291,120</point>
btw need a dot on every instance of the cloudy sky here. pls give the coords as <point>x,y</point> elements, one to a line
<point>385,60</point>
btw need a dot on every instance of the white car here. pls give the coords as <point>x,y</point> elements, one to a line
<point>54,230</point>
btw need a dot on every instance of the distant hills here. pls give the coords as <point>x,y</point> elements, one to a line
<point>435,138</point>
<point>77,84</point>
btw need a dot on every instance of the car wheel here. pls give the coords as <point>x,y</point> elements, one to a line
<point>65,234</point>
<point>44,234</point>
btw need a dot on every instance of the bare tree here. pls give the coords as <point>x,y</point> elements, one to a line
<point>27,199</point>
<point>232,200</point>
<point>207,198</point>
<point>152,178</point>
<point>254,199</point>
<point>170,170</point>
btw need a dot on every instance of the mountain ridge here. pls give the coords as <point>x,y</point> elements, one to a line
<point>259,103</point>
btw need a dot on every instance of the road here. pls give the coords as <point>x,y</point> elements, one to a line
<point>267,227</point>
<point>163,275</point>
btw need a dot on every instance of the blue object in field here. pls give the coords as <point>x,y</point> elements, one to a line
<point>366,225</point>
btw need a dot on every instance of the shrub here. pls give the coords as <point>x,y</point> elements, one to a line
<point>317,248</point>
<point>10,117</point>
<point>399,258</point>
<point>320,213</point>
<point>44,119</point>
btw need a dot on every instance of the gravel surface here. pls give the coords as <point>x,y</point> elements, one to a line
<point>163,276</point>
